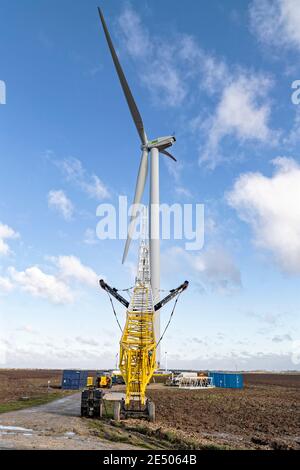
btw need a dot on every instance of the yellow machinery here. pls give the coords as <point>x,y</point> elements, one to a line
<point>137,353</point>
<point>101,381</point>
<point>92,395</point>
<point>104,381</point>
<point>137,346</point>
<point>91,400</point>
<point>138,343</point>
<point>90,382</point>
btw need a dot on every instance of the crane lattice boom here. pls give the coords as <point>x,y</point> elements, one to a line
<point>138,343</point>
<point>137,346</point>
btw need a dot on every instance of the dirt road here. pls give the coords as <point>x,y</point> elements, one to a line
<point>56,425</point>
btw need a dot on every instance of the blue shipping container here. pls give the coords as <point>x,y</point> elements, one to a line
<point>74,379</point>
<point>227,380</point>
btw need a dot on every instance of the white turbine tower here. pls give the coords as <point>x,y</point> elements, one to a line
<point>154,147</point>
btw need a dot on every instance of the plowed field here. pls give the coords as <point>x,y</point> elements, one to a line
<point>265,414</point>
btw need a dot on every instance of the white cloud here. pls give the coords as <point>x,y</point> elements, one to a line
<point>218,268</point>
<point>5,285</point>
<point>175,172</point>
<point>183,191</point>
<point>296,352</point>
<point>293,137</point>
<point>86,341</point>
<point>164,77</point>
<point>136,36</point>
<point>212,268</point>
<point>166,65</point>
<point>27,329</point>
<point>58,287</point>
<point>270,205</point>
<point>59,354</point>
<point>178,70</point>
<point>71,267</point>
<point>158,69</point>
<point>39,356</point>
<point>240,113</point>
<point>209,71</point>
<point>90,237</point>
<point>281,338</point>
<point>268,361</point>
<point>59,201</point>
<point>6,233</point>
<point>89,183</point>
<point>39,284</point>
<point>272,319</point>
<point>276,22</point>
<point>95,188</point>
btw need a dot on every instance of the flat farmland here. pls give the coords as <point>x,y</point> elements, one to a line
<point>18,385</point>
<point>264,415</point>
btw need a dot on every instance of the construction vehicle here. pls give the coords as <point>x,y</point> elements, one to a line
<point>104,381</point>
<point>91,400</point>
<point>92,395</point>
<point>138,343</point>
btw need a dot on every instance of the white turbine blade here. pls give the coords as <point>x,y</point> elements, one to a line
<point>127,92</point>
<point>168,154</point>
<point>139,189</point>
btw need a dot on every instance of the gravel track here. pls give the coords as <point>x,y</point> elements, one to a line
<point>54,426</point>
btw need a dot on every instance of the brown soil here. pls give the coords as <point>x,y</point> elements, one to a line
<point>17,383</point>
<point>265,414</point>
<point>289,380</point>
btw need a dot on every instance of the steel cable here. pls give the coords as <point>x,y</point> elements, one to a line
<point>173,310</point>
<point>115,314</point>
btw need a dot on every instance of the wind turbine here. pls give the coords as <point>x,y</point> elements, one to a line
<point>152,147</point>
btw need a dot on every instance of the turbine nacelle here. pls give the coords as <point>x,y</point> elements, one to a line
<point>161,142</point>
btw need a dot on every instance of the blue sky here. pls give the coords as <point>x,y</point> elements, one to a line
<point>219,74</point>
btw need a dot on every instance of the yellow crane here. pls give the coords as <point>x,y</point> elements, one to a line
<point>137,346</point>
<point>138,343</point>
